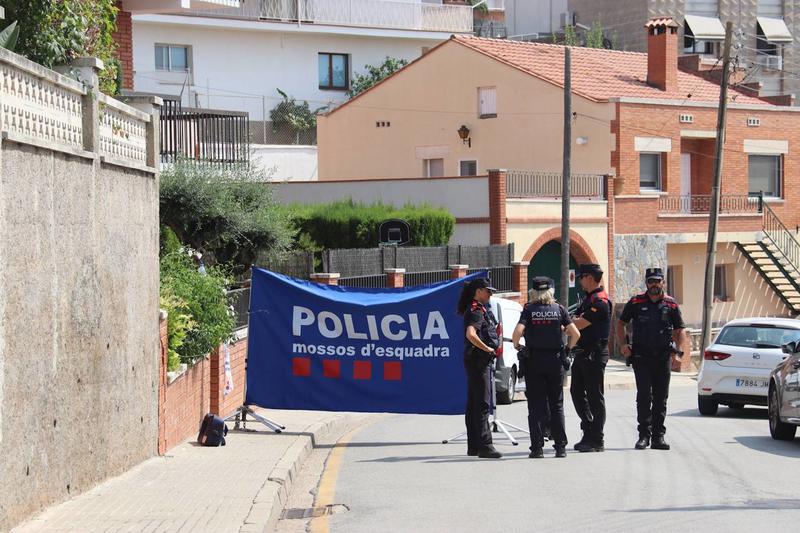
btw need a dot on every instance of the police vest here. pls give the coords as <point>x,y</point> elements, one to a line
<point>652,325</point>
<point>487,331</point>
<point>543,331</point>
<point>597,330</point>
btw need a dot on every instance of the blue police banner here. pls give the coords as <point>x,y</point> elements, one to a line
<point>331,348</point>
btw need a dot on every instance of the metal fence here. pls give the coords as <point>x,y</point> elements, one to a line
<point>375,281</point>
<point>701,204</point>
<point>424,278</point>
<point>373,261</point>
<point>239,300</point>
<point>501,277</point>
<point>210,135</point>
<point>535,184</point>
<point>295,264</point>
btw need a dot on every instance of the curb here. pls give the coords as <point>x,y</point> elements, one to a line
<point>272,496</point>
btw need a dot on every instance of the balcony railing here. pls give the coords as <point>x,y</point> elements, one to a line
<point>532,184</point>
<point>362,13</point>
<point>701,205</point>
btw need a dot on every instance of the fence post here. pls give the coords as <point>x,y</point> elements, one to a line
<point>86,71</point>
<point>325,278</point>
<point>152,106</point>
<point>458,271</point>
<point>395,277</point>
<point>497,206</point>
<point>519,279</point>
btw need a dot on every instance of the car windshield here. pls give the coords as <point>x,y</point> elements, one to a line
<point>757,336</point>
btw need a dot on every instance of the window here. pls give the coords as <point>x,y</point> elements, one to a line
<point>487,102</point>
<point>172,57</point>
<point>706,8</point>
<point>721,282</point>
<point>693,45</point>
<point>468,168</point>
<point>650,171</point>
<point>334,71</point>
<point>433,168</point>
<point>765,175</point>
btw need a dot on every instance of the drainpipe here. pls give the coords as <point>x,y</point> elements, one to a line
<point>298,14</point>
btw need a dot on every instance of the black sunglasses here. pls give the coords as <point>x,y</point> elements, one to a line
<point>653,281</point>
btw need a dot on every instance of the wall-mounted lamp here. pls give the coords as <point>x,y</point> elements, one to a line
<point>463,132</point>
<point>582,140</point>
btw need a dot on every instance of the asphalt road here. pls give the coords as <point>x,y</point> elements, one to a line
<point>722,474</point>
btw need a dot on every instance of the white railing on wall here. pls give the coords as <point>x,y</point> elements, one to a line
<point>535,184</point>
<point>123,131</point>
<point>38,104</point>
<point>363,13</point>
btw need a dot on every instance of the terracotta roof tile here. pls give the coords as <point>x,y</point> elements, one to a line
<point>661,21</point>
<point>598,74</point>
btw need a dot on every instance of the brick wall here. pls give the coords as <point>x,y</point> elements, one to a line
<point>199,390</point>
<point>123,36</point>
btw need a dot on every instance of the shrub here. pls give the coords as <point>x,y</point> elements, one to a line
<point>294,116</point>
<point>375,74</point>
<point>229,215</point>
<point>199,305</point>
<point>53,32</point>
<point>179,324</point>
<point>347,224</point>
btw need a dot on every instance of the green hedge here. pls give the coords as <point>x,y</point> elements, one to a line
<point>347,224</point>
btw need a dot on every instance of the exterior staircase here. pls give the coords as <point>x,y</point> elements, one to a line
<point>777,258</point>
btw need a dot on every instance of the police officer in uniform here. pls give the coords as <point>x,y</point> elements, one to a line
<point>590,358</point>
<point>481,343</point>
<point>543,323</point>
<point>657,329</point>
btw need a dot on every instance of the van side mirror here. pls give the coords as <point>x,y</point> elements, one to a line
<point>789,348</point>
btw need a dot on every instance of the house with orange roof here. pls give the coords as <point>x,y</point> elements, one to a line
<point>643,152</point>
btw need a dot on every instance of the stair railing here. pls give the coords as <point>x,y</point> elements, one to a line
<point>781,237</point>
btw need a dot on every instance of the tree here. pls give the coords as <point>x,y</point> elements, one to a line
<point>295,116</point>
<point>595,37</point>
<point>53,32</point>
<point>228,215</point>
<point>374,74</point>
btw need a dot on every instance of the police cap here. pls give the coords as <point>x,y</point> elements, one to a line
<point>654,273</point>
<point>541,283</point>
<point>589,268</point>
<point>482,283</point>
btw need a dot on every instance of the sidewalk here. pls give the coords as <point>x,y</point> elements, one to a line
<point>240,487</point>
<point>620,377</point>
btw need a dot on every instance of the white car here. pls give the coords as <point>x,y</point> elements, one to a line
<point>736,367</point>
<point>507,313</point>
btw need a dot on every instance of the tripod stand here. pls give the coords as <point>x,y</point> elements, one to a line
<point>495,422</point>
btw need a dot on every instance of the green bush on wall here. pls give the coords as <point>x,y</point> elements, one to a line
<point>348,224</point>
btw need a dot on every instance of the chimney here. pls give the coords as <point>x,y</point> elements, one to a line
<point>662,53</point>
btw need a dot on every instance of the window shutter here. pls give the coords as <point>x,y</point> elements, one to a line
<point>487,101</point>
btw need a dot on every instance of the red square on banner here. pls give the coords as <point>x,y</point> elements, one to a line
<point>362,369</point>
<point>331,368</point>
<point>301,366</point>
<point>392,371</point>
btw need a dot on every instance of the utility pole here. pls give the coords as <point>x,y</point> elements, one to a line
<point>711,252</point>
<point>565,178</point>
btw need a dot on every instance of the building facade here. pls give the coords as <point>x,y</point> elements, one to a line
<point>763,32</point>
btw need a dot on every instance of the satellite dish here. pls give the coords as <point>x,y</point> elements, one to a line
<point>394,232</point>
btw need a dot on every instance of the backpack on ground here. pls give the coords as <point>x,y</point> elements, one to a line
<point>212,431</point>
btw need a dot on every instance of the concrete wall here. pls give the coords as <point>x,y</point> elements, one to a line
<point>633,254</point>
<point>78,324</point>
<point>241,65</point>
<point>286,162</point>
<point>533,16</point>
<point>427,102</point>
<point>623,20</point>
<point>750,295</point>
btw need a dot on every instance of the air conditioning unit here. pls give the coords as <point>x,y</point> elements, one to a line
<point>568,18</point>
<point>770,62</point>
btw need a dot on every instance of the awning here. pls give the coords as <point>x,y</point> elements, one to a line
<point>774,30</point>
<point>705,28</point>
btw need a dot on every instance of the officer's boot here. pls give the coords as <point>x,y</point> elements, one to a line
<point>659,443</point>
<point>642,443</point>
<point>561,451</point>
<point>585,441</point>
<point>536,453</point>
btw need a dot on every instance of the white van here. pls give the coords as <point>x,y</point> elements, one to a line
<point>507,313</point>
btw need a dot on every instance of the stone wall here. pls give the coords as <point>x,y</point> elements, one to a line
<point>78,288</point>
<point>633,254</point>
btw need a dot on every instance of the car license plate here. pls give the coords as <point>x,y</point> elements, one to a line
<point>749,382</point>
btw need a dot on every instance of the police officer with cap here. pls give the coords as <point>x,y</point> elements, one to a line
<point>481,343</point>
<point>590,358</point>
<point>657,329</point>
<point>543,323</point>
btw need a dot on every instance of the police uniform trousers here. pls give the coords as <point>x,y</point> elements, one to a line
<point>476,417</point>
<point>544,377</point>
<point>587,388</point>
<point>652,389</point>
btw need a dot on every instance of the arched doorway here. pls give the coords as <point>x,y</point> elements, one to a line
<point>547,262</point>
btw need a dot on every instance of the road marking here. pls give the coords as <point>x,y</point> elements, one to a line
<point>327,483</point>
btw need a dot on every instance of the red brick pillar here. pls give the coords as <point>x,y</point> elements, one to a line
<point>684,364</point>
<point>216,371</point>
<point>497,206</point>
<point>326,278</point>
<point>395,277</point>
<point>519,279</point>
<point>458,271</point>
<point>162,384</point>
<point>123,36</point>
